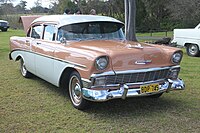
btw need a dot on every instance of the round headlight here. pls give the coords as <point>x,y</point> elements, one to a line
<point>101,63</point>
<point>176,57</point>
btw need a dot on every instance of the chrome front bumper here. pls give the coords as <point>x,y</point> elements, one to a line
<point>124,91</point>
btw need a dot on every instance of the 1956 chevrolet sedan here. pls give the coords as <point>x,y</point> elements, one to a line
<point>89,57</point>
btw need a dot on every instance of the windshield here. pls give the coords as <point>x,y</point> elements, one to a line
<point>91,31</point>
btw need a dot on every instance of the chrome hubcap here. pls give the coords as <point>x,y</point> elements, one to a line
<point>193,49</point>
<point>23,68</point>
<point>75,90</point>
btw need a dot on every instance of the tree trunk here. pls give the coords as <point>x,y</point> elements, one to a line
<point>130,15</point>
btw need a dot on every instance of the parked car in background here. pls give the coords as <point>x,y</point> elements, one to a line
<point>90,58</point>
<point>4,25</point>
<point>189,38</point>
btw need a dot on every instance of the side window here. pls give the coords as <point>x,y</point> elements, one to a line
<point>36,31</point>
<point>49,32</point>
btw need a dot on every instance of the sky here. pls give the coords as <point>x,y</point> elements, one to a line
<point>30,3</point>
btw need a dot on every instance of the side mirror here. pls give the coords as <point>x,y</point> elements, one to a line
<point>63,40</point>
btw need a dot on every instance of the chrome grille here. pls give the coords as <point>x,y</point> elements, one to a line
<point>137,77</point>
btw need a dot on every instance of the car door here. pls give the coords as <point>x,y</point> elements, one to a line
<point>28,45</point>
<point>44,57</point>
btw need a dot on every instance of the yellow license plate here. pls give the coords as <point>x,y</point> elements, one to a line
<point>149,88</point>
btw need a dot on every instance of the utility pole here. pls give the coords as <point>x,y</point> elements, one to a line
<point>130,16</point>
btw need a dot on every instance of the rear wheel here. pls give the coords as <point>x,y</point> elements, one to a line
<point>25,73</point>
<point>75,91</point>
<point>193,50</point>
<point>4,30</point>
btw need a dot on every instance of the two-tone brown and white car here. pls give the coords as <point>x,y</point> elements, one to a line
<point>89,57</point>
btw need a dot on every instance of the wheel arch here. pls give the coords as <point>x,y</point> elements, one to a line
<point>15,56</point>
<point>188,43</point>
<point>18,58</point>
<point>64,78</point>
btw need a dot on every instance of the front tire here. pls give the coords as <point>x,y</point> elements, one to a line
<point>193,50</point>
<point>75,91</point>
<point>25,73</point>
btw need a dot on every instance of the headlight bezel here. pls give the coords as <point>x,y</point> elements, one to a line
<point>173,73</point>
<point>177,57</point>
<point>100,60</point>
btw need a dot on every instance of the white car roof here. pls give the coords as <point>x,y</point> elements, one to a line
<point>72,19</point>
<point>3,21</point>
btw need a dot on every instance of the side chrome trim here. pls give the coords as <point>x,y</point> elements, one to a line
<point>51,57</point>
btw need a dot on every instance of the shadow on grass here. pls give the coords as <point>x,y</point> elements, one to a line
<point>48,85</point>
<point>138,106</point>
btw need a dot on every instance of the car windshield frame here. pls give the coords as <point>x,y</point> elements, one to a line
<point>91,31</point>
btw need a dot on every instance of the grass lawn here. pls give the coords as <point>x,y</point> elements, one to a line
<point>33,105</point>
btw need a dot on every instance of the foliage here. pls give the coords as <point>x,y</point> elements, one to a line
<point>151,14</point>
<point>186,11</point>
<point>21,7</point>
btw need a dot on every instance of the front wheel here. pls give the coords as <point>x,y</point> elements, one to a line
<point>25,73</point>
<point>193,50</point>
<point>4,30</point>
<point>75,93</point>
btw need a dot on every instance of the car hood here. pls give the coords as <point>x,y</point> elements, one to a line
<point>128,55</point>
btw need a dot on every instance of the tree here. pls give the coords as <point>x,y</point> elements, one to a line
<point>65,4</point>
<point>186,12</point>
<point>21,7</point>
<point>23,4</point>
<point>7,8</point>
<point>38,3</point>
<point>38,8</point>
<point>157,12</point>
<point>142,17</point>
<point>130,15</point>
<point>6,1</point>
<point>78,2</point>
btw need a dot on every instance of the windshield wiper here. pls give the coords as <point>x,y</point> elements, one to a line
<point>77,39</point>
<point>91,38</point>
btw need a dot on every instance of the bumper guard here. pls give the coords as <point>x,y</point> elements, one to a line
<point>124,91</point>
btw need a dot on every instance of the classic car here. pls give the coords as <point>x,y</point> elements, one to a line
<point>4,25</point>
<point>188,38</point>
<point>89,57</point>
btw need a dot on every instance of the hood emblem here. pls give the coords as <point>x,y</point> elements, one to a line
<point>143,62</point>
<point>138,46</point>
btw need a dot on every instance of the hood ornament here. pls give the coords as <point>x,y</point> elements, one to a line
<point>143,62</point>
<point>139,46</point>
